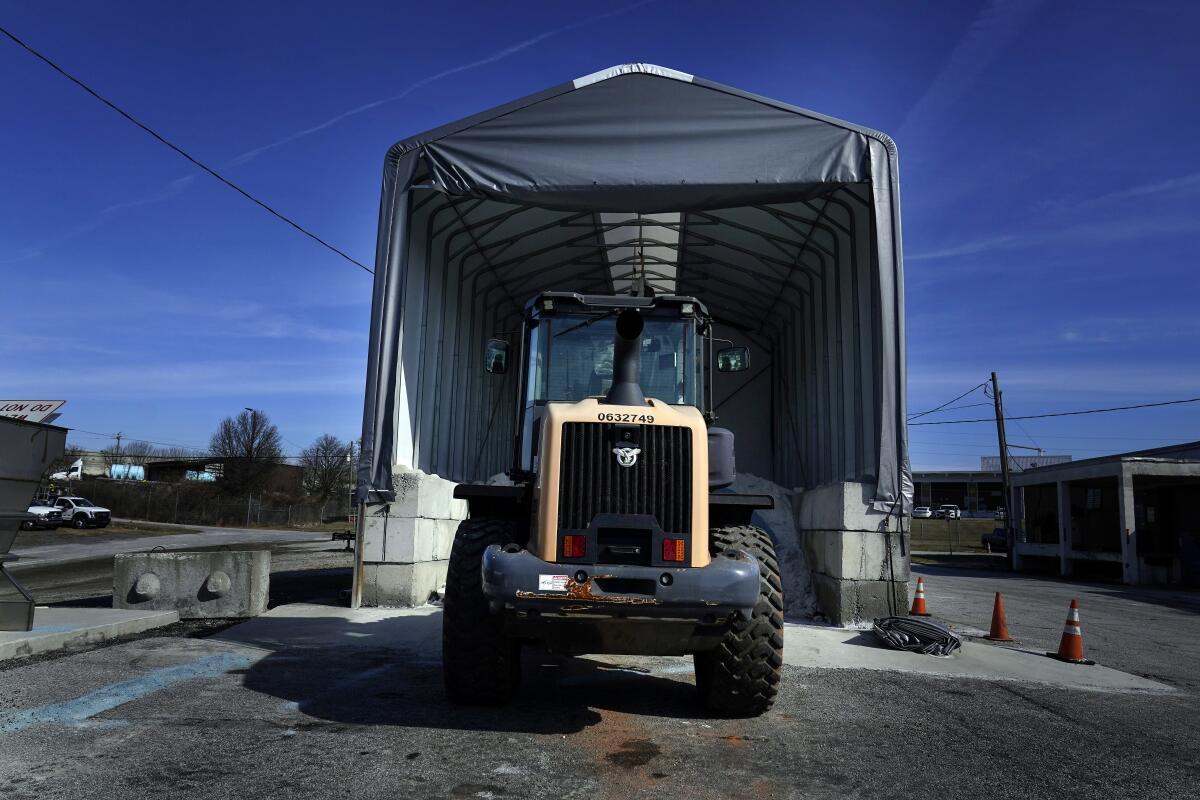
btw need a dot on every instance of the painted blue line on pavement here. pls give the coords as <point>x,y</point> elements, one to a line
<point>74,712</point>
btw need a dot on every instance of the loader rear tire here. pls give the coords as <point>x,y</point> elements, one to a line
<point>740,677</point>
<point>480,665</point>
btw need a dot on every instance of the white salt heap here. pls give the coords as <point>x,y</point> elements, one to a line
<point>799,598</point>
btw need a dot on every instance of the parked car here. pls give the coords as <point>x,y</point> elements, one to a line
<point>83,513</point>
<point>922,512</point>
<point>948,512</point>
<point>48,517</point>
<point>996,541</point>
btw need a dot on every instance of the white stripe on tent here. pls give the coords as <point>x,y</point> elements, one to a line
<point>630,69</point>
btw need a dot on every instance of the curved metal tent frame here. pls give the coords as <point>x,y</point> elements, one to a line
<point>785,223</point>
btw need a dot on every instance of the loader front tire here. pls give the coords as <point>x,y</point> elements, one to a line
<point>480,665</point>
<point>740,677</point>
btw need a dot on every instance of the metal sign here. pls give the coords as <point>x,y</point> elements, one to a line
<point>30,410</point>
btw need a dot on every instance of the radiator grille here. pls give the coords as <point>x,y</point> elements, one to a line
<point>659,484</point>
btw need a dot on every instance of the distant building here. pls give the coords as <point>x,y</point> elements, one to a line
<point>992,463</point>
<point>1131,517</point>
<point>282,477</point>
<point>974,492</point>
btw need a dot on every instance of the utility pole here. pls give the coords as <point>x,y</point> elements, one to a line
<point>1008,498</point>
<point>116,458</point>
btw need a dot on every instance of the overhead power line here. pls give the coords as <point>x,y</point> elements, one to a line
<point>1065,413</point>
<point>943,406</point>
<point>183,152</point>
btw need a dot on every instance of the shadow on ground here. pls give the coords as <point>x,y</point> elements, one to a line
<point>388,672</point>
<point>309,585</point>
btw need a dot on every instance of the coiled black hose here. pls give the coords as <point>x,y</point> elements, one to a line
<point>919,636</point>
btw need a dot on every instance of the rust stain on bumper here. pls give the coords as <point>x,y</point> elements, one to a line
<point>583,592</point>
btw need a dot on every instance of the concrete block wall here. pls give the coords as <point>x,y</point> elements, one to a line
<point>406,544</point>
<point>848,554</point>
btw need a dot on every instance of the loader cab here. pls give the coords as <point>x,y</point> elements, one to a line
<point>567,354</point>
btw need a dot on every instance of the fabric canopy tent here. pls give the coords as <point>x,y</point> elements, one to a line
<point>785,223</point>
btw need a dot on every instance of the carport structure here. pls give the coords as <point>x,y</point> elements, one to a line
<point>1131,516</point>
<point>785,223</point>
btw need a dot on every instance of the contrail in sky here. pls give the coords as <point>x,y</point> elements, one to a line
<point>992,30</point>
<point>182,184</point>
<point>490,59</point>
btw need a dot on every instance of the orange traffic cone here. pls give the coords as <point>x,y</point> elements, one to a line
<point>918,607</point>
<point>1070,647</point>
<point>999,631</point>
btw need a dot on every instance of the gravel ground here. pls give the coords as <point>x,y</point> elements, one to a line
<point>366,723</point>
<point>191,715</point>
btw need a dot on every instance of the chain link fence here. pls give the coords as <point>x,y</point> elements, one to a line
<point>195,503</point>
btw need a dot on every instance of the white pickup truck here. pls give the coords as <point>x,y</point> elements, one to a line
<point>48,516</point>
<point>82,513</point>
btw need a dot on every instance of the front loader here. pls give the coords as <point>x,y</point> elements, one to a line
<point>616,535</point>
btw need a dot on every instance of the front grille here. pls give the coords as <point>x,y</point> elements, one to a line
<point>659,484</point>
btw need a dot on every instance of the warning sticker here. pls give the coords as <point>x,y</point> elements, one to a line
<point>552,583</point>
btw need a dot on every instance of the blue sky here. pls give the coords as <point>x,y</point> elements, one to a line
<point>1048,175</point>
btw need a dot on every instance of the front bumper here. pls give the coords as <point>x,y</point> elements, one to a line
<point>521,582</point>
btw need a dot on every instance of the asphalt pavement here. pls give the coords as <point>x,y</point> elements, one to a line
<point>351,706</point>
<point>1150,632</point>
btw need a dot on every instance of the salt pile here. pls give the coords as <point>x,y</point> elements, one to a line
<point>800,600</point>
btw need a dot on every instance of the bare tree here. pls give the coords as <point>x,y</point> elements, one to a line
<point>71,453</point>
<point>250,446</point>
<point>132,452</point>
<point>327,467</point>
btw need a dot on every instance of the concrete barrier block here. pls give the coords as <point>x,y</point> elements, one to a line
<point>855,555</point>
<point>419,494</point>
<point>375,526</point>
<point>840,506</point>
<point>402,585</point>
<point>197,585</point>
<point>411,540</point>
<point>852,602</point>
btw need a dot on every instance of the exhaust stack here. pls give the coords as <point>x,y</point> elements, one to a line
<point>627,361</point>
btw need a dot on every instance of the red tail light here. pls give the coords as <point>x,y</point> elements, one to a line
<point>574,546</point>
<point>673,549</point>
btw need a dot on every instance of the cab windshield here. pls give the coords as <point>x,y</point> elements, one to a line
<point>572,358</point>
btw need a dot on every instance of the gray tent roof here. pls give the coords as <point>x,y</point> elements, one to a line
<point>632,145</point>
<point>638,170</point>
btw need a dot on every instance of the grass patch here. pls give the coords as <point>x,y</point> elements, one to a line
<point>951,536</point>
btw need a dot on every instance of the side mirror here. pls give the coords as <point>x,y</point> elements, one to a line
<point>495,360</point>
<point>733,359</point>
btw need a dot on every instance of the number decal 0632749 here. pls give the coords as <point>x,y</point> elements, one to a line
<point>646,419</point>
